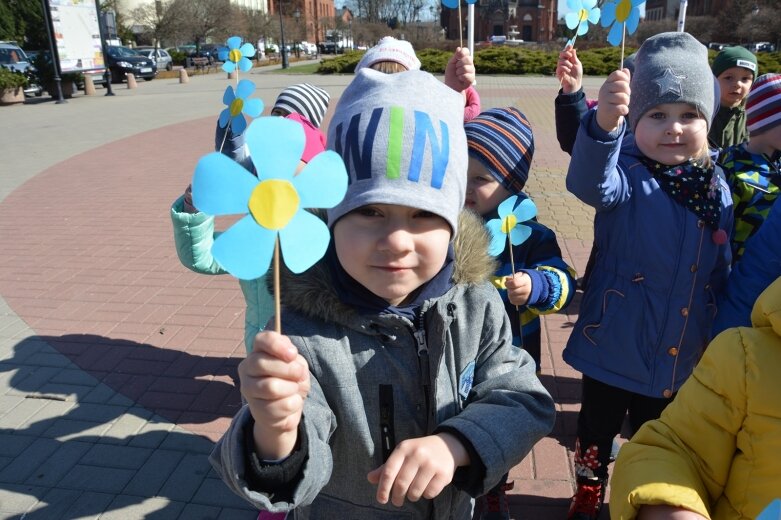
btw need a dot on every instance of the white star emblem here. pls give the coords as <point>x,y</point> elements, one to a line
<point>669,82</point>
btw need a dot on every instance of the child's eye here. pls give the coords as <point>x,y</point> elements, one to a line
<point>367,211</point>
<point>656,115</point>
<point>425,214</point>
<point>690,115</point>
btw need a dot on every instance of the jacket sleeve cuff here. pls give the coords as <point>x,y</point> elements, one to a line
<point>540,287</point>
<point>571,98</point>
<point>467,478</point>
<point>596,131</point>
<point>275,478</point>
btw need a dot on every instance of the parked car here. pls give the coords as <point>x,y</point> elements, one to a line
<point>207,50</point>
<point>12,57</point>
<point>163,59</point>
<point>122,60</point>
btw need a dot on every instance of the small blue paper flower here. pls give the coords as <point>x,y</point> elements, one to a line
<point>619,13</point>
<point>273,202</point>
<point>583,12</point>
<point>238,105</point>
<point>236,55</point>
<point>511,215</point>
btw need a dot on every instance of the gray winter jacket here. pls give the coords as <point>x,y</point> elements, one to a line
<point>379,379</point>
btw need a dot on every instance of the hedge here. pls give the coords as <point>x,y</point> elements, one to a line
<point>518,60</point>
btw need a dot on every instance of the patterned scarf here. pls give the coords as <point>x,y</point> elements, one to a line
<point>692,185</point>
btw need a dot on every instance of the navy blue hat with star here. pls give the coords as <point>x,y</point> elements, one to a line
<point>671,67</point>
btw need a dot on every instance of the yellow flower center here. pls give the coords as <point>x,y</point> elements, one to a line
<point>273,203</point>
<point>237,105</point>
<point>508,224</point>
<point>234,55</point>
<point>583,15</point>
<point>623,9</point>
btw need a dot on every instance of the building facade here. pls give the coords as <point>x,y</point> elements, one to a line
<point>313,18</point>
<point>527,20</point>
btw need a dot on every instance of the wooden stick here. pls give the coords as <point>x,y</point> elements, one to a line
<point>277,305</point>
<point>623,39</point>
<point>512,266</point>
<point>460,27</point>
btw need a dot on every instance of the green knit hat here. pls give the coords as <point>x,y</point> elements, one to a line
<point>734,57</point>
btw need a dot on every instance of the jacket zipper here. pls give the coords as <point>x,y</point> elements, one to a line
<point>423,362</point>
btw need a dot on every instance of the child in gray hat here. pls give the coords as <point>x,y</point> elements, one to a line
<point>663,214</point>
<point>395,391</point>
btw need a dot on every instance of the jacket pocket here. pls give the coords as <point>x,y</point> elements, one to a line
<point>612,299</point>
<point>326,507</point>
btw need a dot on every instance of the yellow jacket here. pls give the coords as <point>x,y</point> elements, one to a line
<point>716,449</point>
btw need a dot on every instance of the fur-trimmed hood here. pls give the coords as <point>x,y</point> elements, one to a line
<point>312,293</point>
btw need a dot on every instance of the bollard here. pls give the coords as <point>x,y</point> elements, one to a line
<point>131,80</point>
<point>89,86</point>
<point>183,77</point>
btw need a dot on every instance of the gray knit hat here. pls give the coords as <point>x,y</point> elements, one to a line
<point>671,67</point>
<point>402,139</point>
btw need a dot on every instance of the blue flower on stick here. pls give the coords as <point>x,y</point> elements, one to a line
<point>583,12</point>
<point>509,224</point>
<point>273,202</point>
<point>236,55</point>
<point>621,13</point>
<point>239,105</point>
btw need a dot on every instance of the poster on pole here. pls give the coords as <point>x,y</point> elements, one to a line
<point>76,35</point>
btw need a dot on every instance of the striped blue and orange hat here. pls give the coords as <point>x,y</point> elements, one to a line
<point>502,140</point>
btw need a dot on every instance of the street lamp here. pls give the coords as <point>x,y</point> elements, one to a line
<point>297,16</point>
<point>282,37</point>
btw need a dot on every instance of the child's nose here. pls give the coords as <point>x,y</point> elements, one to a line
<point>397,240</point>
<point>675,128</point>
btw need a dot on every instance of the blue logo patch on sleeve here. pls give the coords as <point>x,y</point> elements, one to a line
<point>466,380</point>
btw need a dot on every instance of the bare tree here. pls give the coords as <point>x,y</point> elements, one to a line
<point>207,19</point>
<point>163,20</point>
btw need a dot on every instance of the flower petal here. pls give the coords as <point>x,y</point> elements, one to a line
<point>519,234</point>
<point>526,210</point>
<point>238,124</point>
<point>253,107</point>
<point>323,182</point>
<point>245,249</point>
<point>245,64</point>
<point>583,28</point>
<point>303,241</point>
<point>275,146</point>
<point>608,14</point>
<point>633,20</point>
<point>498,239</point>
<point>234,42</point>
<point>616,34</point>
<point>228,96</point>
<point>450,4</point>
<point>245,88</point>
<point>221,186</point>
<point>247,50</point>
<point>593,16</point>
<point>589,4</point>
<point>228,66</point>
<point>571,20</point>
<point>574,5</point>
<point>223,54</point>
<point>225,116</point>
<point>506,207</point>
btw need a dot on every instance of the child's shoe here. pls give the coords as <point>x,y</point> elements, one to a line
<point>588,499</point>
<point>495,506</point>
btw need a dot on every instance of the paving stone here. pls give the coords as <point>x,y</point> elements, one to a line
<point>187,479</point>
<point>122,457</point>
<point>58,464</point>
<point>125,506</point>
<point>213,491</point>
<point>28,460</point>
<point>96,478</point>
<point>66,429</point>
<point>154,473</point>
<point>237,514</point>
<point>18,499</point>
<point>90,505</point>
<point>54,504</point>
<point>200,512</point>
<point>97,412</point>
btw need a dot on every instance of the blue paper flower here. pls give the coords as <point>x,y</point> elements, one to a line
<point>236,55</point>
<point>273,202</point>
<point>238,105</point>
<point>619,13</point>
<point>583,12</point>
<point>511,215</point>
<point>453,4</point>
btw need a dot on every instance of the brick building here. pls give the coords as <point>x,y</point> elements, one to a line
<point>315,17</point>
<point>527,20</point>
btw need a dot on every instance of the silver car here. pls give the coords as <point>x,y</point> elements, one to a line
<point>13,58</point>
<point>161,56</point>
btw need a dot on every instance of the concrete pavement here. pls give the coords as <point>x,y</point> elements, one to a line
<point>117,365</point>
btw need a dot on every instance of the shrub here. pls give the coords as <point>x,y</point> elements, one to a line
<point>179,57</point>
<point>11,80</point>
<point>342,64</point>
<point>434,60</point>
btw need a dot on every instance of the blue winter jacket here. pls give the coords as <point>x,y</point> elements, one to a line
<point>647,313</point>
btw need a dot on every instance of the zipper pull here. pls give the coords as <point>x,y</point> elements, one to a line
<point>420,339</point>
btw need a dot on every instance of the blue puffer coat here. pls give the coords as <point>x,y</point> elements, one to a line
<point>647,314</point>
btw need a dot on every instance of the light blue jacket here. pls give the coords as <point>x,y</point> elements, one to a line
<point>194,235</point>
<point>647,314</point>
